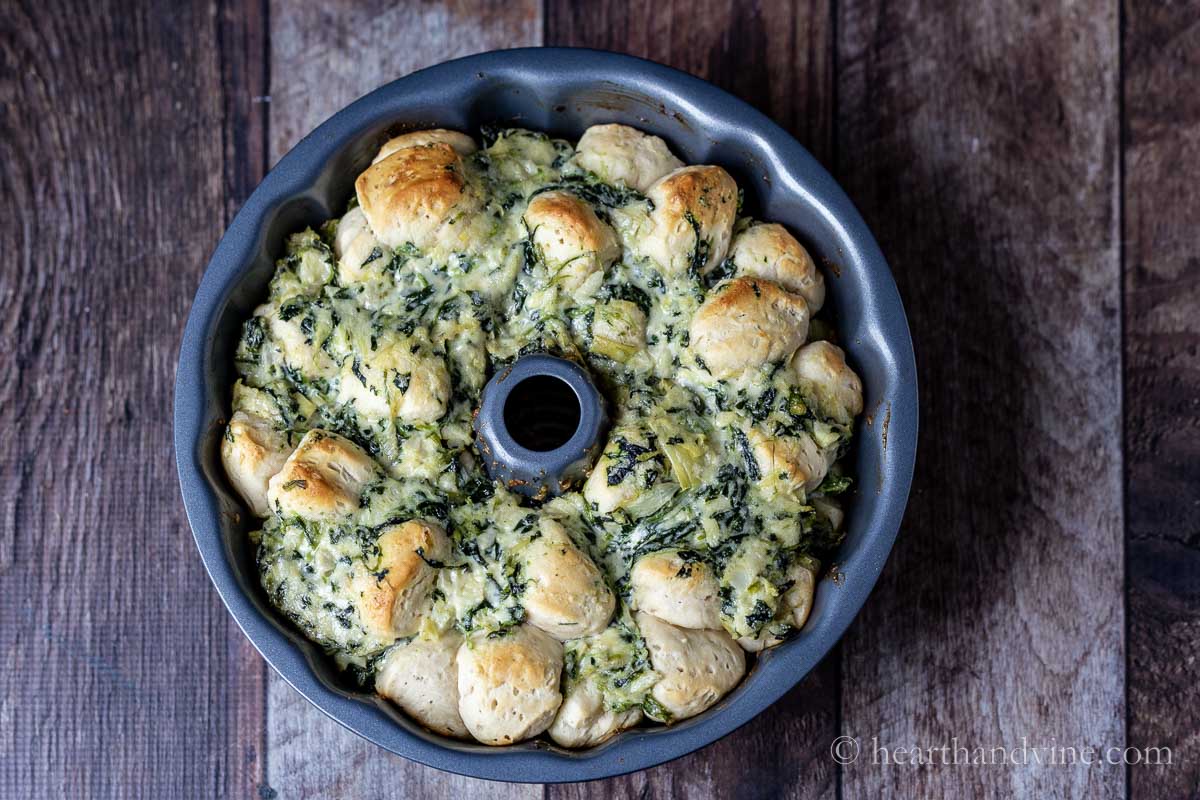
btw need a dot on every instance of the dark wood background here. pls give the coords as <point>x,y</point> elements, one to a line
<point>1031,170</point>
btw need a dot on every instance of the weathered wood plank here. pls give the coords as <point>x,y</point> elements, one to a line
<point>242,48</point>
<point>775,54</point>
<point>1161,56</point>
<point>324,55</point>
<point>980,140</point>
<point>778,56</point>
<point>124,675</point>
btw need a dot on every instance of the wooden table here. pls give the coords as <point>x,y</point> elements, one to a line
<point>1031,172</point>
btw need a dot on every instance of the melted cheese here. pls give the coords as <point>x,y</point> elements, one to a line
<point>390,346</point>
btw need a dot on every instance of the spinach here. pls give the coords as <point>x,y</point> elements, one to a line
<point>529,255</point>
<point>356,368</point>
<point>747,454</point>
<point>433,562</point>
<point>762,407</point>
<point>699,257</point>
<point>250,347</point>
<point>834,484</point>
<point>760,615</point>
<point>416,301</point>
<point>595,191</point>
<point>725,269</point>
<point>290,310</point>
<point>308,327</point>
<point>629,292</point>
<point>628,455</point>
<point>436,509</point>
<point>400,257</point>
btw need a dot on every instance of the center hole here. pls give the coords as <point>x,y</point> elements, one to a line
<point>542,413</point>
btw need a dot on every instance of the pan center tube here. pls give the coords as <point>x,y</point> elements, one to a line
<point>539,425</point>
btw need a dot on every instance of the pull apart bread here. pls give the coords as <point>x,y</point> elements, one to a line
<point>699,534</point>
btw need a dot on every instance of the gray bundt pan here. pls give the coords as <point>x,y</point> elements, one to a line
<point>561,91</point>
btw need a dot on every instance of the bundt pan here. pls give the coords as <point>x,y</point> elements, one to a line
<point>561,91</point>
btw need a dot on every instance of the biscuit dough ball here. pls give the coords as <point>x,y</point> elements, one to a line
<point>421,677</point>
<point>394,593</point>
<point>395,381</point>
<point>799,596</point>
<point>357,247</point>
<point>795,604</point>
<point>795,465</point>
<point>565,594</point>
<point>584,721</point>
<point>628,475</point>
<point>463,145</point>
<point>573,242</point>
<point>692,220</point>
<point>253,452</point>
<point>769,252</point>
<point>745,323</point>
<point>822,374</point>
<point>624,156</point>
<point>508,684</point>
<point>679,590</point>
<point>409,195</point>
<point>698,667</point>
<point>322,479</point>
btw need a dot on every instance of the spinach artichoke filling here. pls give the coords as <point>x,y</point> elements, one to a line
<point>390,349</point>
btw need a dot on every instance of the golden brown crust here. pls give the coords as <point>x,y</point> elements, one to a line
<point>768,251</point>
<point>463,145</point>
<point>393,595</point>
<point>745,323</point>
<point>411,193</point>
<point>323,478</point>
<point>690,198</point>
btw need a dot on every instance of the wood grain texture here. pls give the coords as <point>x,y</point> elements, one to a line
<point>1161,56</point>
<point>326,54</point>
<point>242,49</point>
<point>980,142</point>
<point>123,674</point>
<point>774,54</point>
<point>779,57</point>
<point>323,56</point>
<point>983,144</point>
